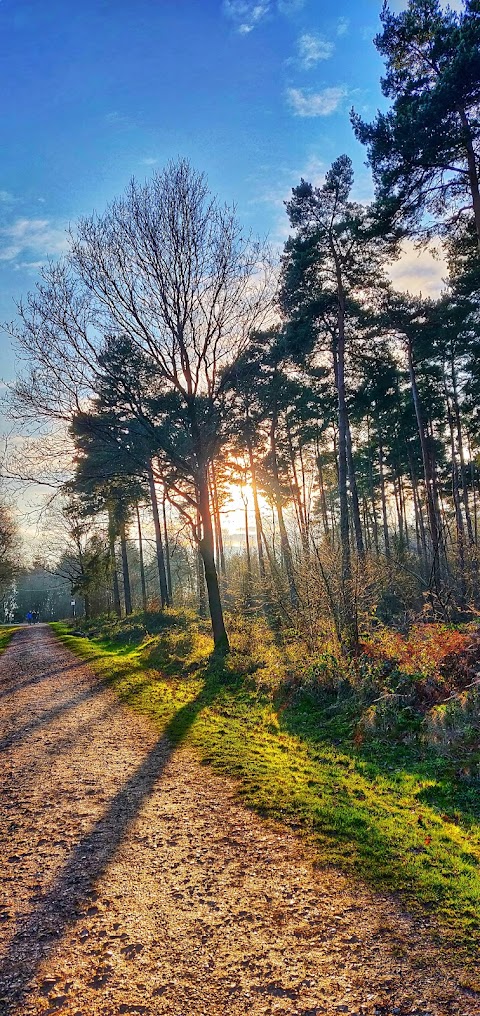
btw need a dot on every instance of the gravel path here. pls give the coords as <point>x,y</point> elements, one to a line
<point>132,881</point>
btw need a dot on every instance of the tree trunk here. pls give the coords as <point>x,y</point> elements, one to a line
<point>472,170</point>
<point>247,540</point>
<point>284,541</point>
<point>386,534</point>
<point>339,366</point>
<point>416,515</point>
<point>164,598</point>
<point>305,497</point>
<point>352,482</point>
<point>217,523</point>
<point>248,577</point>
<point>366,524</point>
<point>113,563</point>
<point>460,530</point>
<point>167,552</point>
<point>321,485</point>
<point>403,499</point>
<point>398,506</point>
<point>125,570</point>
<point>473,484</point>
<point>258,519</point>
<point>419,523</point>
<point>206,548</point>
<point>298,496</point>
<point>463,470</point>
<point>201,590</point>
<point>372,489</point>
<point>433,519</point>
<point>141,561</point>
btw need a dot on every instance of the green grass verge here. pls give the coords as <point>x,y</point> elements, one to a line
<point>397,815</point>
<point>6,634</point>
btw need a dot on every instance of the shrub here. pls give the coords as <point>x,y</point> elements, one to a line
<point>455,723</point>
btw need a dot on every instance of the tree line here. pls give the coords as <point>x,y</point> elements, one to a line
<point>185,362</point>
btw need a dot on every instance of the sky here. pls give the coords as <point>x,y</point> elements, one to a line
<point>255,93</point>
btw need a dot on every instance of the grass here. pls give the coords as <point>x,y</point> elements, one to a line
<point>6,633</point>
<point>395,813</point>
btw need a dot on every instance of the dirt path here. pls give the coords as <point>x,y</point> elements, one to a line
<point>133,882</point>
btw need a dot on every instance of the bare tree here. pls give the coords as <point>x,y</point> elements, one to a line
<point>8,546</point>
<point>169,267</point>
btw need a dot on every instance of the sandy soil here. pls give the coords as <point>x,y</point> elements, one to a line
<point>133,882</point>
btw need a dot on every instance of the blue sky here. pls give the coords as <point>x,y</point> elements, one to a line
<point>253,92</point>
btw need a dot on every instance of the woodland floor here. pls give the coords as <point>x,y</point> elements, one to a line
<point>133,882</point>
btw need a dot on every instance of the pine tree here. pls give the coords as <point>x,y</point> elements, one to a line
<point>425,151</point>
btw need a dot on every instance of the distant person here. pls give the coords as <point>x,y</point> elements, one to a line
<point>35,616</point>
<point>29,617</point>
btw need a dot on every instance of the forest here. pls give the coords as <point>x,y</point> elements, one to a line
<point>184,373</point>
<point>186,362</point>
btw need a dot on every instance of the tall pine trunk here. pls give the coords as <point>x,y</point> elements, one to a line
<point>258,518</point>
<point>164,597</point>
<point>217,523</point>
<point>113,563</point>
<point>352,482</point>
<point>472,169</point>
<point>206,547</point>
<point>346,574</point>
<point>459,526</point>
<point>321,487</point>
<point>298,495</point>
<point>428,473</point>
<point>284,541</point>
<point>350,633</point>
<point>168,569</point>
<point>125,569</point>
<point>386,534</point>
<point>247,539</point>
<point>463,469</point>
<point>141,560</point>
<point>200,574</point>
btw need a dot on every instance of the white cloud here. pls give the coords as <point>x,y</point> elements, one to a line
<point>303,103</point>
<point>418,272</point>
<point>149,161</point>
<point>246,14</point>
<point>343,24</point>
<point>37,237</point>
<point>29,266</point>
<point>290,6</point>
<point>6,198</point>
<point>312,49</point>
<point>313,171</point>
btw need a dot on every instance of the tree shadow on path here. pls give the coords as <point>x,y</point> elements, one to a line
<point>47,717</point>
<point>61,907</point>
<point>38,679</point>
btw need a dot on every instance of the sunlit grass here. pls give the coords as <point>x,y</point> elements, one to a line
<point>6,634</point>
<point>396,814</point>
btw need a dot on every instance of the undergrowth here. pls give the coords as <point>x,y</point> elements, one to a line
<point>380,801</point>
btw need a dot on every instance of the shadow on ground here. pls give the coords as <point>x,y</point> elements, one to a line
<point>38,932</point>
